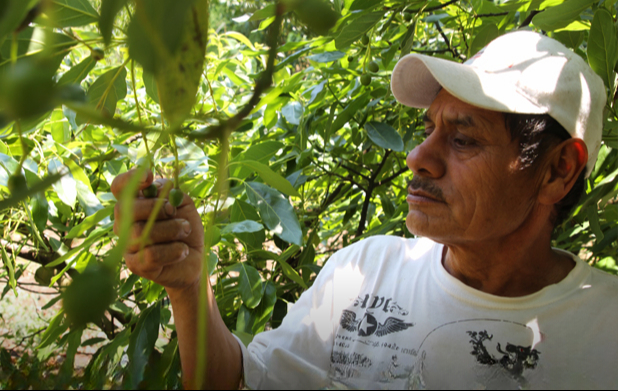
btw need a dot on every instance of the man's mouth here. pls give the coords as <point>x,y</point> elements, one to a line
<point>419,196</point>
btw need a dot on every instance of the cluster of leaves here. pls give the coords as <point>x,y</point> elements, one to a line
<point>284,172</point>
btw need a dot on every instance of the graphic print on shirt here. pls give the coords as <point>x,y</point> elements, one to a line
<point>370,322</point>
<point>482,354</point>
<point>369,325</point>
<point>515,359</point>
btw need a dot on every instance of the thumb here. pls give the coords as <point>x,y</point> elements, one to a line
<point>122,180</point>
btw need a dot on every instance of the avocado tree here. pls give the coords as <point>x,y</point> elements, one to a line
<point>276,118</point>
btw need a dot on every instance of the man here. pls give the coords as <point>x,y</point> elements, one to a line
<point>483,301</point>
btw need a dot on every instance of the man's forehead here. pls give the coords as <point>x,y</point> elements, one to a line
<point>456,111</point>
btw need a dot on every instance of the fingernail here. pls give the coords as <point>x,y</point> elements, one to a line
<point>169,209</point>
<point>145,177</point>
<point>185,253</point>
<point>186,227</point>
<point>159,185</point>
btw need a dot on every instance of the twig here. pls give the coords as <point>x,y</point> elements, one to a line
<point>528,20</point>
<point>438,7</point>
<point>448,43</point>
<point>392,177</point>
<point>262,84</point>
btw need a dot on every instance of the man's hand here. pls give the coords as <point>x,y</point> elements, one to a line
<point>174,250</point>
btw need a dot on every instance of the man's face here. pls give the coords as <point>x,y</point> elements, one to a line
<point>467,186</point>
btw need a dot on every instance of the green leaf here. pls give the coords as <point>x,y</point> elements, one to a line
<point>603,46</point>
<point>593,218</point>
<point>18,197</point>
<point>264,13</point>
<point>485,35</point>
<point>40,211</point>
<point>276,212</point>
<point>570,39</point>
<point>247,226</point>
<point>90,222</point>
<point>212,260</point>
<point>293,113</point>
<point>264,311</point>
<point>249,284</point>
<point>326,57</point>
<point>66,188</point>
<point>109,10</point>
<point>13,12</point>
<point>107,90</point>
<point>241,211</point>
<point>73,13</point>
<point>361,5</point>
<point>261,152</point>
<point>348,113</point>
<point>271,178</point>
<point>156,31</point>
<point>384,136</point>
<point>151,86</point>
<point>57,326</point>
<point>142,344</point>
<point>560,16</point>
<point>356,29</point>
<point>290,273</point>
<point>78,73</point>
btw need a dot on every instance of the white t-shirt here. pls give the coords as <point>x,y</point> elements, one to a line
<point>385,314</point>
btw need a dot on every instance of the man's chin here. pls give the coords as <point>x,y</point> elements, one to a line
<point>423,226</point>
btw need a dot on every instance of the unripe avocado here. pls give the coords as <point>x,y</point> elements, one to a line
<point>176,197</point>
<point>373,66</point>
<point>17,183</point>
<point>365,40</point>
<point>89,295</point>
<point>97,54</point>
<point>365,79</point>
<point>151,191</point>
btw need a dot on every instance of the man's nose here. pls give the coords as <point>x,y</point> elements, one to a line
<point>427,159</point>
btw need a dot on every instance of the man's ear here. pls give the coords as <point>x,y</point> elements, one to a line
<point>567,160</point>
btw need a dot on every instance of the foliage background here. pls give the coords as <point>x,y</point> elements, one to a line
<point>318,164</point>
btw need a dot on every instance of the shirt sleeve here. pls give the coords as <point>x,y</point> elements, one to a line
<point>297,354</point>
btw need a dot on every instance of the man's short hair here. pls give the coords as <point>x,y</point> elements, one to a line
<point>536,134</point>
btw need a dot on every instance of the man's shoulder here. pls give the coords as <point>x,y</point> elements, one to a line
<point>386,249</point>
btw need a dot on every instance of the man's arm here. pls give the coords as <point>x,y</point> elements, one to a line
<point>174,258</point>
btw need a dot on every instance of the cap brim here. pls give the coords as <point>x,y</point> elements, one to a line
<point>417,79</point>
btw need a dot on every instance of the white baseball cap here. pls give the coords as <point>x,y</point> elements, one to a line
<point>521,72</point>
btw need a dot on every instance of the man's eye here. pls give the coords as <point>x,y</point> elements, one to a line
<point>463,142</point>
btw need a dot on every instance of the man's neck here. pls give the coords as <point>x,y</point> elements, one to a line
<point>518,265</point>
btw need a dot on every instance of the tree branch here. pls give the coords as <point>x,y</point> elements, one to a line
<point>448,43</point>
<point>369,193</point>
<point>528,20</point>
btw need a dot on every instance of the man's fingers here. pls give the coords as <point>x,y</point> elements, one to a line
<point>161,232</point>
<point>122,180</point>
<point>155,257</point>
<point>143,208</point>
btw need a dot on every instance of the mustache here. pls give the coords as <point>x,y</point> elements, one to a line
<point>419,183</point>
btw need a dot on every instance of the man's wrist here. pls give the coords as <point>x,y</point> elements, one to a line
<point>192,290</point>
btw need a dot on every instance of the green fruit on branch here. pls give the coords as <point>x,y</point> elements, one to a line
<point>151,191</point>
<point>176,197</point>
<point>407,16</point>
<point>179,78</point>
<point>89,295</point>
<point>318,15</point>
<point>350,58</point>
<point>44,275</point>
<point>373,66</point>
<point>97,54</point>
<point>17,183</point>
<point>27,89</point>
<point>365,79</point>
<point>365,40</point>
